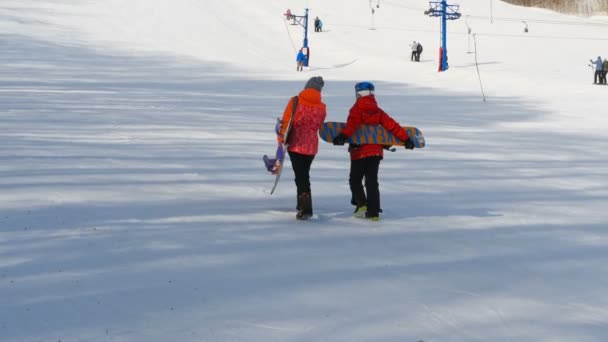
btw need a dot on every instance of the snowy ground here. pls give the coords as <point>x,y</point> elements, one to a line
<point>134,205</point>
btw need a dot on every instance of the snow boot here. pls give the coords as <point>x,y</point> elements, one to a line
<point>360,211</point>
<point>304,206</point>
<point>372,217</point>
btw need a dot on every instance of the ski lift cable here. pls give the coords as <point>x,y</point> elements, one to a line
<point>393,4</point>
<point>289,35</point>
<point>538,21</point>
<point>401,29</point>
<point>477,67</point>
<point>541,21</point>
<point>541,37</point>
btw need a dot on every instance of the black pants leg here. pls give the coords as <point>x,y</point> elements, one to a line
<point>597,76</point>
<point>372,186</point>
<point>366,168</point>
<point>301,168</point>
<point>355,180</point>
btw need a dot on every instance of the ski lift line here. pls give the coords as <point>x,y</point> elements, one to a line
<point>397,3</point>
<point>389,28</point>
<point>542,37</point>
<point>289,35</point>
<point>540,21</point>
<point>483,94</point>
<point>536,20</point>
<point>390,3</point>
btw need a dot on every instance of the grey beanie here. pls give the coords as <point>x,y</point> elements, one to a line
<point>315,83</point>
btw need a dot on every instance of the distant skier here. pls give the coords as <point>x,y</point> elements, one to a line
<point>300,60</point>
<point>288,14</point>
<point>599,70</point>
<point>318,25</point>
<point>365,159</point>
<point>303,139</point>
<point>418,51</point>
<point>414,47</point>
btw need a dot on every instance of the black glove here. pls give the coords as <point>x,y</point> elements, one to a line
<point>409,144</point>
<point>340,140</point>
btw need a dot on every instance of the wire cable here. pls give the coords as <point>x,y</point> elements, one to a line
<point>394,4</point>
<point>477,66</point>
<point>541,21</point>
<point>536,21</point>
<point>289,34</point>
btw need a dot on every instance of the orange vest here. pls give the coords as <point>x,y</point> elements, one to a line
<point>309,117</point>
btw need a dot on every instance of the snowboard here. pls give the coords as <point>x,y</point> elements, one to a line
<point>367,134</point>
<point>275,165</point>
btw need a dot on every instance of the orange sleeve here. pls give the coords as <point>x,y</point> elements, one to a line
<point>287,113</point>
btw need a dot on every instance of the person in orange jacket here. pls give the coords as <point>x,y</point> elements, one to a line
<point>303,139</point>
<point>365,159</point>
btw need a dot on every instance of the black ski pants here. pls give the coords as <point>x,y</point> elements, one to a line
<point>597,77</point>
<point>301,168</point>
<point>366,168</point>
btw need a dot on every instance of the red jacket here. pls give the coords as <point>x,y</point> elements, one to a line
<point>309,117</point>
<point>366,111</point>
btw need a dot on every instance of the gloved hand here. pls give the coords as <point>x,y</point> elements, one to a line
<point>409,144</point>
<point>340,140</point>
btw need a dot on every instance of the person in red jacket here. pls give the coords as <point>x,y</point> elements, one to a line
<point>303,139</point>
<point>365,159</point>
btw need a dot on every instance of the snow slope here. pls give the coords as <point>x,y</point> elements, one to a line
<point>134,205</point>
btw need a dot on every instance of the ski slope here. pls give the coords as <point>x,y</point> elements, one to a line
<point>134,205</point>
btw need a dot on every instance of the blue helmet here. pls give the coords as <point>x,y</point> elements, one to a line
<point>364,86</point>
<point>364,89</point>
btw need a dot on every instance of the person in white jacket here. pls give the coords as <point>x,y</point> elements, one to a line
<point>414,46</point>
<point>599,70</point>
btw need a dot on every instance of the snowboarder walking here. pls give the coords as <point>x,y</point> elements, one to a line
<point>303,140</point>
<point>365,159</point>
